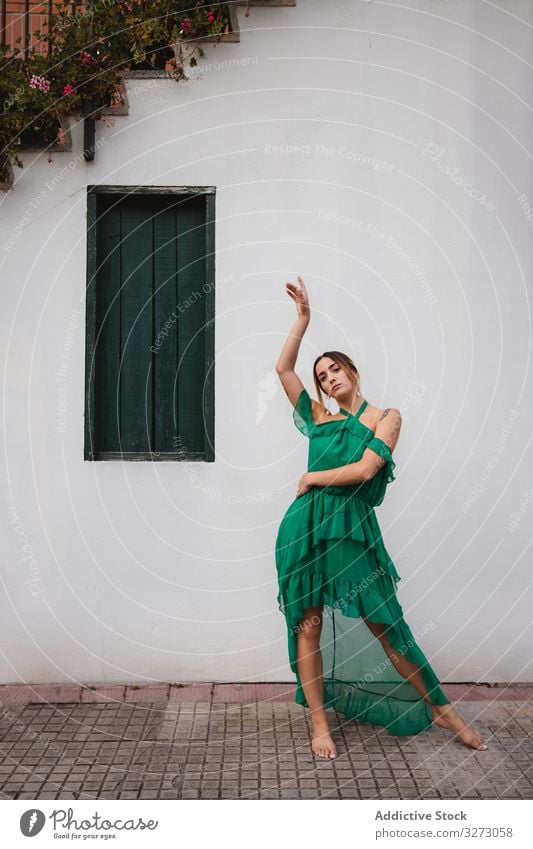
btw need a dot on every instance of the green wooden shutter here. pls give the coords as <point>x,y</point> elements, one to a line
<point>151,296</point>
<point>191,223</point>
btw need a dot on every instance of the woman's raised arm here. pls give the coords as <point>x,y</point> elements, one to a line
<point>289,353</point>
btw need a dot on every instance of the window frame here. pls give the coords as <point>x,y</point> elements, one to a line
<point>90,450</point>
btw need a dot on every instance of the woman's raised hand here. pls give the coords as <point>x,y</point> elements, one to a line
<point>300,298</point>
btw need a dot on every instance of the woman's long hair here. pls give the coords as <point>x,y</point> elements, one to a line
<point>346,363</point>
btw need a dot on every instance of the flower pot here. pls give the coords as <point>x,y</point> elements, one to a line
<point>53,135</point>
<point>43,131</point>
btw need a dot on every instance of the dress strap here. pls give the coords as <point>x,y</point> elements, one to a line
<point>359,411</point>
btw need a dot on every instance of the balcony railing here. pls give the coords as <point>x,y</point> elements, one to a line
<point>24,19</point>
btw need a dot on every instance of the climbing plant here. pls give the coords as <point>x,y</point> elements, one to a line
<point>79,61</point>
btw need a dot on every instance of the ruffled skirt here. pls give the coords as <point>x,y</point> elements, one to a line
<point>329,550</point>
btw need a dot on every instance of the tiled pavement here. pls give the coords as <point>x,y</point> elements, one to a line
<point>250,741</point>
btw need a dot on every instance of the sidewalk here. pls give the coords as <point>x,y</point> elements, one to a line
<point>248,741</point>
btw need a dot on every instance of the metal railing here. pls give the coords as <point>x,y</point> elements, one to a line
<point>23,19</point>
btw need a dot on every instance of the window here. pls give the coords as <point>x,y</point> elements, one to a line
<point>150,323</point>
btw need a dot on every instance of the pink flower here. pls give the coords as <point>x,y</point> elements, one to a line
<point>68,89</point>
<point>211,16</point>
<point>40,83</point>
<point>86,57</point>
<point>185,25</point>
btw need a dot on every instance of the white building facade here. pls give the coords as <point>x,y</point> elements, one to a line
<point>382,151</point>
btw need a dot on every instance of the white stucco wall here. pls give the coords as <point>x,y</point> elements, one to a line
<point>165,571</point>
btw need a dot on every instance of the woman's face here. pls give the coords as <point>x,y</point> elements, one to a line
<point>333,379</point>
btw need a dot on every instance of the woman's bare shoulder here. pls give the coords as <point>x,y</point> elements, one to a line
<point>385,423</point>
<point>379,413</point>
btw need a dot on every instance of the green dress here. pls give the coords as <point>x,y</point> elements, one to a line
<point>329,550</point>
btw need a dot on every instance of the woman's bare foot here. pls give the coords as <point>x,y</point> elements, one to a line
<point>322,743</point>
<point>446,716</point>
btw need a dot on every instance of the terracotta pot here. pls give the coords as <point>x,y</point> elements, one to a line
<point>43,131</point>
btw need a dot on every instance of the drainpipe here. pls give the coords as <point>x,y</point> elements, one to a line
<point>88,131</point>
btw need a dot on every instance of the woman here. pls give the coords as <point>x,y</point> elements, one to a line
<point>357,655</point>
